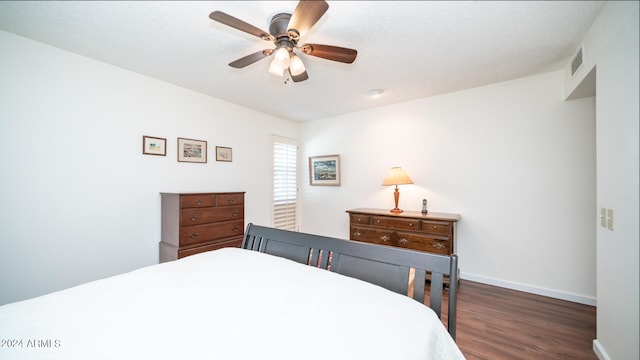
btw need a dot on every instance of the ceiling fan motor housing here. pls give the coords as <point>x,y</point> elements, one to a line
<point>278,28</point>
<point>279,23</point>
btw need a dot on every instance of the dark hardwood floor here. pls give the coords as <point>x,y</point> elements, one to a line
<point>495,323</point>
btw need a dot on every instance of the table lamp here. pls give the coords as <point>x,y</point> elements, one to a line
<point>396,176</point>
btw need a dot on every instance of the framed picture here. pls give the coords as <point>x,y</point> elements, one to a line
<point>190,150</point>
<point>154,145</point>
<point>324,170</point>
<point>224,153</point>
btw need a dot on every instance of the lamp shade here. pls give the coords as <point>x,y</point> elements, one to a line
<point>397,176</point>
<point>275,70</point>
<point>296,67</point>
<point>281,58</point>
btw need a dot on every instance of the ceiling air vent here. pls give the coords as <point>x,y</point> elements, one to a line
<point>576,62</point>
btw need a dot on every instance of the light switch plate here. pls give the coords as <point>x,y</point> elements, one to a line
<point>603,217</point>
<point>610,219</point>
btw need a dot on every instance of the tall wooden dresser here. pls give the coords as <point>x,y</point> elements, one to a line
<point>197,222</point>
<point>432,232</point>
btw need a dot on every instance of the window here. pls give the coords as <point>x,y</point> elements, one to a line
<point>285,184</point>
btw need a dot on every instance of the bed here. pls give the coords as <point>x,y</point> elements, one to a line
<point>271,299</point>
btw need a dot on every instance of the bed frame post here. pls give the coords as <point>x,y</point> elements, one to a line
<point>453,296</point>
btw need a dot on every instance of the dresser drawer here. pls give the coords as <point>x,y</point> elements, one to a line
<point>202,233</point>
<point>437,227</point>
<point>360,219</point>
<point>230,199</point>
<point>197,200</point>
<point>423,243</point>
<point>374,236</point>
<point>196,216</point>
<point>215,246</point>
<point>395,223</point>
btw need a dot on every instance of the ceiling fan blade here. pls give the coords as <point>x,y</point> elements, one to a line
<point>250,59</point>
<point>297,78</point>
<point>236,23</point>
<point>329,52</point>
<point>306,14</point>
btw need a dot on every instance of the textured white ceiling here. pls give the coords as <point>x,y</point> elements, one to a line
<point>411,49</point>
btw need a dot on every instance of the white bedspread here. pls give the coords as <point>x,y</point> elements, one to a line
<point>224,304</point>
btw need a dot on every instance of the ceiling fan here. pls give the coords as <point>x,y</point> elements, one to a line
<point>285,30</point>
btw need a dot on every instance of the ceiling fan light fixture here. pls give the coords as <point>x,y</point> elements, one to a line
<point>296,67</point>
<point>281,58</point>
<point>275,70</point>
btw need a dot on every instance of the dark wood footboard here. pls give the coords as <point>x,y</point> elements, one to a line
<point>399,270</point>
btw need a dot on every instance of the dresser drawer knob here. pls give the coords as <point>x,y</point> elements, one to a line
<point>194,217</point>
<point>403,241</point>
<point>357,233</point>
<point>359,220</point>
<point>439,245</point>
<point>199,202</point>
<point>193,235</point>
<point>384,238</point>
<point>235,213</point>
<point>410,224</point>
<point>435,226</point>
<point>235,229</point>
<point>230,201</point>
<point>378,221</point>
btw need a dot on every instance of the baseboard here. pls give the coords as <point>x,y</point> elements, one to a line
<point>581,299</point>
<point>599,350</point>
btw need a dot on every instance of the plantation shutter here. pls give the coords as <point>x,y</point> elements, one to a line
<point>285,184</point>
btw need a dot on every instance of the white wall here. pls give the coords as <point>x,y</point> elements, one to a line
<point>612,48</point>
<point>514,159</point>
<point>79,201</point>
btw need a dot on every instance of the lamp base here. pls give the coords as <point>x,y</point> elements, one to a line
<point>396,197</point>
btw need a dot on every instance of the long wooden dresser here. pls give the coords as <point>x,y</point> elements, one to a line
<point>197,222</point>
<point>432,232</point>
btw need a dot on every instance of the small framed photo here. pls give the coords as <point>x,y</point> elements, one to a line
<point>324,170</point>
<point>190,150</point>
<point>224,153</point>
<point>154,145</point>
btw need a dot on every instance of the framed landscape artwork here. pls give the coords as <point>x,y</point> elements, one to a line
<point>324,170</point>
<point>224,153</point>
<point>190,150</point>
<point>154,145</point>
